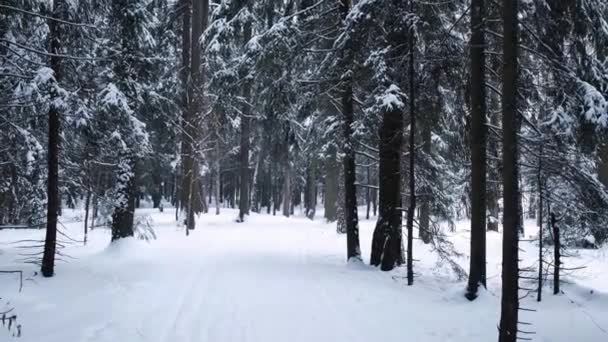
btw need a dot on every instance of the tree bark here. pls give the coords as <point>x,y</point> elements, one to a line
<point>603,170</point>
<point>122,217</point>
<point>286,178</point>
<point>386,240</point>
<point>218,177</point>
<point>353,250</point>
<point>368,194</point>
<point>477,268</point>
<point>540,224</point>
<point>53,201</point>
<point>186,148</point>
<point>511,225</point>
<point>340,218</point>
<point>87,205</point>
<point>245,144</point>
<point>424,229</point>
<point>556,254</point>
<point>412,159</point>
<point>331,187</point>
<point>311,190</point>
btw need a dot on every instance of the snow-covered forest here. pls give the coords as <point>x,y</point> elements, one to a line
<point>304,170</point>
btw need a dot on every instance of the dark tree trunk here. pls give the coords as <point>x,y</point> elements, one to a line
<point>556,254</point>
<point>511,225</point>
<point>244,146</point>
<point>540,226</point>
<point>331,188</point>
<point>350,190</point>
<point>412,159</point>
<point>375,200</point>
<point>186,148</point>
<point>311,190</point>
<point>603,169</point>
<point>368,194</point>
<point>287,189</point>
<point>194,198</point>
<point>477,270</point>
<point>218,177</point>
<point>53,202</point>
<point>353,250</point>
<point>122,218</point>
<point>386,241</point>
<point>340,218</point>
<point>424,228</point>
<point>87,205</point>
<point>157,190</point>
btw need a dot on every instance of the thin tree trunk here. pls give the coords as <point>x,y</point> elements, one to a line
<point>53,202</point>
<point>603,169</point>
<point>511,226</point>
<point>86,215</point>
<point>286,189</point>
<point>244,146</point>
<point>368,195</point>
<point>331,188</point>
<point>540,225</point>
<point>412,159</point>
<point>424,229</point>
<point>311,193</point>
<point>353,250</point>
<point>556,255</point>
<point>218,177</point>
<point>340,219</point>
<point>477,269</point>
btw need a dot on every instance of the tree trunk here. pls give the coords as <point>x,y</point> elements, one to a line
<point>311,190</point>
<point>244,146</point>
<point>386,241</point>
<point>540,225</point>
<point>412,159</point>
<point>218,177</point>
<point>511,225</point>
<point>368,194</point>
<point>603,169</point>
<point>286,189</point>
<point>353,250</point>
<point>424,229</point>
<point>556,255</point>
<point>53,202</point>
<point>122,218</point>
<point>186,149</point>
<point>340,219</point>
<point>286,178</point>
<point>87,204</point>
<point>331,188</point>
<point>477,269</point>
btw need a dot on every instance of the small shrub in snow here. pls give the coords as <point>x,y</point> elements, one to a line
<point>143,228</point>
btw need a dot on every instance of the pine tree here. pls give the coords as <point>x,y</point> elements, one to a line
<point>510,125</point>
<point>53,201</point>
<point>477,273</point>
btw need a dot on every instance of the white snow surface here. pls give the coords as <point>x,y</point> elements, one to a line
<point>276,279</point>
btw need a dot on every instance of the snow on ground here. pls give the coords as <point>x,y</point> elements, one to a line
<point>274,279</point>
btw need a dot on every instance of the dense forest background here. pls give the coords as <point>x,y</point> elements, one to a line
<point>424,111</point>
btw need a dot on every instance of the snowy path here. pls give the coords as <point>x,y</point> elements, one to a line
<point>270,279</point>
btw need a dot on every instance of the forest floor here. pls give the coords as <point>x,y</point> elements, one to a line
<point>276,279</point>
